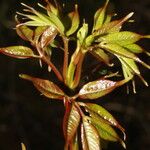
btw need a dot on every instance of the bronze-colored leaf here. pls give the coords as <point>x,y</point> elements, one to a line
<point>73,123</point>
<point>48,36</point>
<point>20,52</point>
<point>96,89</point>
<point>89,136</point>
<point>46,87</point>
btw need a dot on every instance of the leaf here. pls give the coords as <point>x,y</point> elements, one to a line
<point>100,16</point>
<point>132,66</point>
<point>134,48</point>
<point>119,50</point>
<point>96,89</point>
<point>46,87</point>
<point>112,27</point>
<point>89,137</point>
<point>104,114</point>
<point>38,32</point>
<point>23,146</point>
<point>99,88</point>
<point>38,16</point>
<point>101,55</point>
<point>51,8</point>
<point>121,38</point>
<point>105,131</point>
<point>82,33</point>
<point>116,49</point>
<point>48,36</point>
<point>25,33</point>
<point>57,22</point>
<point>73,123</point>
<point>74,16</point>
<point>20,52</point>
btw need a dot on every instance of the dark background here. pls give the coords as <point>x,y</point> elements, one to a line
<point>27,117</point>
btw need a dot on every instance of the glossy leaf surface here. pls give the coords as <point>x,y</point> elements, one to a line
<point>105,131</point>
<point>104,114</point>
<point>96,89</point>
<point>121,38</point>
<point>46,87</point>
<point>113,26</point>
<point>48,36</point>
<point>89,137</point>
<point>20,52</point>
<point>73,123</point>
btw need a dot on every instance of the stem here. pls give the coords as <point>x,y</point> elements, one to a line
<point>49,63</point>
<point>65,65</point>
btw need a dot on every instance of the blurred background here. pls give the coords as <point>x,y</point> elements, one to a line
<point>27,117</point>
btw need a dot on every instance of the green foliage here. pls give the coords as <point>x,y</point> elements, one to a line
<point>89,122</point>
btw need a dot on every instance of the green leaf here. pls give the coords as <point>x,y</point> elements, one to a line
<point>104,114</point>
<point>112,27</point>
<point>105,131</point>
<point>133,68</point>
<point>20,52</point>
<point>101,56</point>
<point>119,50</point>
<point>116,49</point>
<point>57,22</point>
<point>48,36</point>
<point>121,38</point>
<point>46,87</point>
<point>75,20</point>
<point>99,17</point>
<point>38,32</point>
<point>25,33</point>
<point>82,33</point>
<point>134,48</point>
<point>51,8</point>
<point>38,16</point>
<point>89,137</point>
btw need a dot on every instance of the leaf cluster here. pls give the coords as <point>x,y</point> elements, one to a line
<point>89,122</point>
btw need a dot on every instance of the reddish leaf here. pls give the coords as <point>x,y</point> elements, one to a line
<point>46,87</point>
<point>89,136</point>
<point>72,124</point>
<point>48,36</point>
<point>20,52</point>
